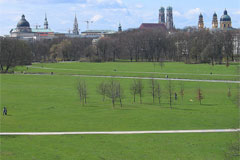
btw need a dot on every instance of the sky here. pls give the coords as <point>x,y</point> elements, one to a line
<point>107,14</point>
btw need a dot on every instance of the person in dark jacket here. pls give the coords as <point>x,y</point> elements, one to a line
<point>4,110</point>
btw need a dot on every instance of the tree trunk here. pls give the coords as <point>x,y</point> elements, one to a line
<point>1,68</point>
<point>120,102</point>
<point>7,69</point>
<point>141,98</point>
<point>113,102</point>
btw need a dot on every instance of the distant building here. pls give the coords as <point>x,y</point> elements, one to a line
<point>215,21</point>
<point>153,26</point>
<point>25,32</point>
<point>200,22</point>
<point>169,20</point>
<point>75,26</point>
<point>236,44</point>
<point>97,33</point>
<point>161,18</point>
<point>46,22</point>
<point>225,21</point>
<point>120,28</point>
<point>162,23</point>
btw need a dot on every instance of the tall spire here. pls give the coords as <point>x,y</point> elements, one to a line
<point>169,21</point>
<point>120,28</point>
<point>200,22</point>
<point>46,22</point>
<point>75,26</point>
<point>161,15</point>
<point>214,21</point>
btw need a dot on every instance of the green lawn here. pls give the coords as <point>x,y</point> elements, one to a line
<point>51,103</point>
<point>140,69</point>
<point>207,146</point>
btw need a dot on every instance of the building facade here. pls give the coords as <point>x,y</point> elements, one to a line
<point>200,22</point>
<point>23,31</point>
<point>215,21</point>
<point>161,18</point>
<point>75,26</point>
<point>169,20</point>
<point>225,21</point>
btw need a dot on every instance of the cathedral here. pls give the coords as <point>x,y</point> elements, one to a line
<point>169,17</point>
<point>225,21</point>
<point>165,22</point>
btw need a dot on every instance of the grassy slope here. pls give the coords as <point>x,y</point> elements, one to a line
<point>208,146</point>
<point>50,103</point>
<point>174,70</point>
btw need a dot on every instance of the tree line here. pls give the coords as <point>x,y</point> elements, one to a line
<point>114,91</point>
<point>201,46</point>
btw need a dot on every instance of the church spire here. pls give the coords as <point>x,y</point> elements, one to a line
<point>75,26</point>
<point>120,28</point>
<point>200,22</point>
<point>46,22</point>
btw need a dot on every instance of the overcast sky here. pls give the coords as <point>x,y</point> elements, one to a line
<point>107,14</point>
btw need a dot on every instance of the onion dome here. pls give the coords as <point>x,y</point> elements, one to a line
<point>215,14</point>
<point>169,8</point>
<point>161,9</point>
<point>225,16</point>
<point>23,22</point>
<point>200,16</point>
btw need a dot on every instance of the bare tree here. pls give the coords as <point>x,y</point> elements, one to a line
<point>115,92</point>
<point>134,90</point>
<point>140,88</point>
<point>159,92</point>
<point>170,92</point>
<point>199,95</point>
<point>229,94</point>
<point>120,93</point>
<point>102,90</point>
<point>153,88</point>
<point>82,91</point>
<point>182,90</point>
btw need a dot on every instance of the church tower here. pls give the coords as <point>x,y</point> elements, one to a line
<point>46,22</point>
<point>200,22</point>
<point>161,15</point>
<point>169,22</point>
<point>75,26</point>
<point>215,21</point>
<point>120,28</point>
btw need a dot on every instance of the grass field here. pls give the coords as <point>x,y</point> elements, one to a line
<point>50,103</point>
<point>140,69</point>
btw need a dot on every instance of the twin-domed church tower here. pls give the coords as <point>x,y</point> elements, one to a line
<point>169,17</point>
<point>225,21</point>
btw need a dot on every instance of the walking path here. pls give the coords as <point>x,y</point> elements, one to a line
<point>118,132</point>
<point>69,69</point>
<point>165,79</point>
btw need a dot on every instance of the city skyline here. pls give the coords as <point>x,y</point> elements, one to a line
<point>107,14</point>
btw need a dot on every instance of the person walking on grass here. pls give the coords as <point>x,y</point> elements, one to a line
<point>4,111</point>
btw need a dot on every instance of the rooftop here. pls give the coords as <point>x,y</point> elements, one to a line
<point>99,31</point>
<point>152,26</point>
<point>41,30</point>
